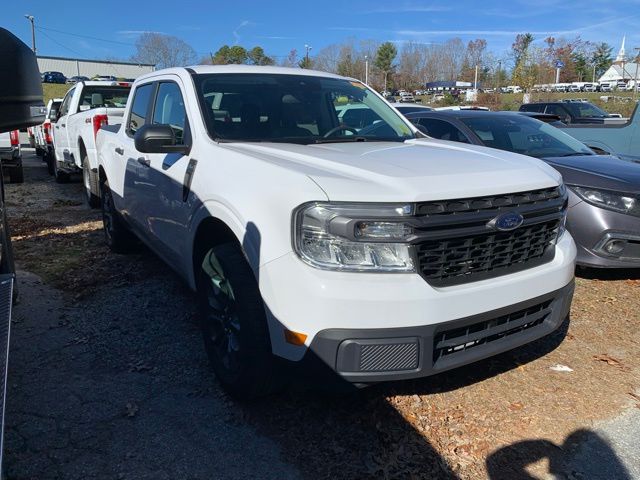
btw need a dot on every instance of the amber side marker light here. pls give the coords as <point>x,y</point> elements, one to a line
<point>294,338</point>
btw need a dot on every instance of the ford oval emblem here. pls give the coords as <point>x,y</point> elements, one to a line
<point>507,221</point>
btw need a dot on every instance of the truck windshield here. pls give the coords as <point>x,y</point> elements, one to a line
<point>524,135</point>
<point>296,109</point>
<point>98,96</point>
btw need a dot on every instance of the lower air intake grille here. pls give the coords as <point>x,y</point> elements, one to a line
<point>452,342</point>
<point>389,357</point>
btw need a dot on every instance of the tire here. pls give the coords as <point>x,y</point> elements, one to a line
<point>40,152</point>
<point>49,157</point>
<point>92,200</point>
<point>16,175</point>
<point>61,177</point>
<point>234,324</point>
<point>117,236</point>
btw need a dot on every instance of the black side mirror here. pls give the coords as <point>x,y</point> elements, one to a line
<point>53,114</point>
<point>21,103</point>
<point>159,138</point>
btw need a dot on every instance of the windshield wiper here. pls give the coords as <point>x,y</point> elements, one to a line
<point>575,154</point>
<point>341,139</point>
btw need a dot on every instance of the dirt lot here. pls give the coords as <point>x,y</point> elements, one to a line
<point>108,379</point>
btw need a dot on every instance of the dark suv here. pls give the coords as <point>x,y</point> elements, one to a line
<point>569,112</point>
<point>53,77</point>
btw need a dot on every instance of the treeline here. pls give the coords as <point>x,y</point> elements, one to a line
<point>530,61</point>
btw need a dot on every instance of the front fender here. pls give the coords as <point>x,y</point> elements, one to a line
<point>219,211</point>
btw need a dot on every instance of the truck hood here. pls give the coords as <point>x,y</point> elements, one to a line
<point>598,171</point>
<point>415,170</point>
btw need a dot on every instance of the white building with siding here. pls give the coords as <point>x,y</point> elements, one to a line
<point>71,67</point>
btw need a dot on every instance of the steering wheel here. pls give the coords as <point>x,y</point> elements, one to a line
<point>340,128</point>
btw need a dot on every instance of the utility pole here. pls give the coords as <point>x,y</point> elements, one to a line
<point>635,80</point>
<point>31,18</point>
<point>475,79</point>
<point>366,69</point>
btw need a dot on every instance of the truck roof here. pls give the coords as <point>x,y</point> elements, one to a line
<point>105,83</point>
<point>203,69</point>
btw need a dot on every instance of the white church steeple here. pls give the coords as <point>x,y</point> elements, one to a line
<point>622,57</point>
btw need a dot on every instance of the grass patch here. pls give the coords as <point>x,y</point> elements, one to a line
<point>54,90</point>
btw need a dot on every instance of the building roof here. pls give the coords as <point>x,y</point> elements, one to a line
<point>615,72</point>
<point>111,62</point>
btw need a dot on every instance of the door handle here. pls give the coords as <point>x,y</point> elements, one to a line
<point>64,125</point>
<point>119,151</point>
<point>144,161</point>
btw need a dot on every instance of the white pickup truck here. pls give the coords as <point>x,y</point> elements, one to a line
<point>370,251</point>
<point>43,140</point>
<point>85,107</point>
<point>11,156</point>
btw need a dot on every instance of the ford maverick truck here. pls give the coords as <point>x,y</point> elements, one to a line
<point>364,247</point>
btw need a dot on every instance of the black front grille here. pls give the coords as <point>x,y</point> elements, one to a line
<point>462,259</point>
<point>456,243</point>
<point>449,343</point>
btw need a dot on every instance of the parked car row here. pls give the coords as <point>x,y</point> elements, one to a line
<point>59,77</point>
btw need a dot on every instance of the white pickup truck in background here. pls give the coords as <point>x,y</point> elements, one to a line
<point>85,108</point>
<point>43,139</point>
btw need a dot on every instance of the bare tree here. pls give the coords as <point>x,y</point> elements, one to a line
<point>163,50</point>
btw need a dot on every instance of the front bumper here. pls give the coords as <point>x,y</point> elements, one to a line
<point>366,356</point>
<point>308,300</point>
<point>592,227</point>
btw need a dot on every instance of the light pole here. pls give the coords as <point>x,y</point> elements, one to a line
<point>498,75</point>
<point>33,31</point>
<point>366,69</point>
<point>593,80</point>
<point>307,47</point>
<point>475,80</point>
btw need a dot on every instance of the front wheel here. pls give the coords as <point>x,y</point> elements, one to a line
<point>116,234</point>
<point>234,323</point>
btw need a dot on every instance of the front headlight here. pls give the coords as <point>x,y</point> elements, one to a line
<point>610,200</point>
<point>354,237</point>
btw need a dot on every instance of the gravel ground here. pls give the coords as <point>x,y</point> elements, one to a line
<point>108,379</point>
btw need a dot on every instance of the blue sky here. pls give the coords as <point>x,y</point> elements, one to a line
<point>107,29</point>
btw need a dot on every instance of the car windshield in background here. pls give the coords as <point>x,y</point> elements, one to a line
<point>524,135</point>
<point>94,96</point>
<point>581,109</point>
<point>296,109</point>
